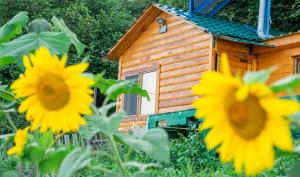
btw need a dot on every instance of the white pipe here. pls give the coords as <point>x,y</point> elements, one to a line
<point>261,19</point>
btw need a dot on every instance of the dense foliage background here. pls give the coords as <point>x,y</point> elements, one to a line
<point>99,24</point>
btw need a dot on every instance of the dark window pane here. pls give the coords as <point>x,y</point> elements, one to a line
<point>130,100</point>
<point>297,65</point>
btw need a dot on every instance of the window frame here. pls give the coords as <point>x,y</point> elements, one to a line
<point>296,59</point>
<point>140,72</point>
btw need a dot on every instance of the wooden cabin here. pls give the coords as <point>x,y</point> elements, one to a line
<point>167,50</point>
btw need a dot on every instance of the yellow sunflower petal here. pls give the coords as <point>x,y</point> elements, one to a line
<point>225,68</point>
<point>56,96</point>
<point>279,107</point>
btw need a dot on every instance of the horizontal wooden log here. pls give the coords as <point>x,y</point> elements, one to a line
<point>167,47</point>
<point>175,108</point>
<point>177,102</point>
<point>184,64</point>
<point>150,44</point>
<point>181,79</point>
<point>178,87</point>
<point>175,95</point>
<point>184,71</point>
<point>165,54</point>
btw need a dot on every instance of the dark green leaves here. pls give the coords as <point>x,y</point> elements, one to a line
<point>288,84</point>
<point>114,88</point>
<point>13,27</point>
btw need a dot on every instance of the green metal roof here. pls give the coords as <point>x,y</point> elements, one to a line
<point>229,30</point>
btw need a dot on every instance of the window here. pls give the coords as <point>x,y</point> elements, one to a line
<point>130,100</point>
<point>149,84</point>
<point>135,105</point>
<point>297,65</point>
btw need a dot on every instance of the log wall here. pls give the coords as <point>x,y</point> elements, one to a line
<point>283,60</point>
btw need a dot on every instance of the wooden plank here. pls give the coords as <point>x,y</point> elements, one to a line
<point>129,124</point>
<point>141,70</point>
<point>174,95</point>
<point>232,46</point>
<point>178,87</point>
<point>152,45</point>
<point>167,47</point>
<point>181,79</point>
<point>175,108</point>
<point>133,32</point>
<point>184,71</point>
<point>165,54</point>
<point>184,64</point>
<point>203,54</point>
<point>177,102</point>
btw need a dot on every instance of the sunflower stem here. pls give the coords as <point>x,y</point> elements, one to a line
<point>117,154</point>
<point>10,121</point>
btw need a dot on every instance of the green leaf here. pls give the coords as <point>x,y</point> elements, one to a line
<point>39,25</point>
<point>114,88</point>
<point>73,162</point>
<point>6,95</point>
<point>13,27</point>
<point>295,171</point>
<point>53,161</point>
<point>57,43</point>
<point>34,153</point>
<point>155,143</point>
<point>287,84</point>
<point>141,174</point>
<point>46,139</point>
<point>261,76</point>
<point>100,122</point>
<point>60,24</point>
<point>6,60</point>
<point>113,174</point>
<point>9,174</point>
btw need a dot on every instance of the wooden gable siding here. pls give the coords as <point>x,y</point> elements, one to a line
<point>235,52</point>
<point>282,56</point>
<point>182,55</point>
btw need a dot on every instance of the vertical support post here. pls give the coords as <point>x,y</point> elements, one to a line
<point>191,6</point>
<point>264,18</point>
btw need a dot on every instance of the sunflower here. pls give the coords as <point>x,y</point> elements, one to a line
<point>56,96</point>
<point>245,122</point>
<point>20,142</point>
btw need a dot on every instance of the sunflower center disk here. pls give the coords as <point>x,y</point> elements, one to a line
<point>53,92</point>
<point>247,118</point>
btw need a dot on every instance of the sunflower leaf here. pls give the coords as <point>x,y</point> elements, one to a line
<point>74,161</point>
<point>13,27</point>
<point>154,142</point>
<point>287,84</point>
<point>114,88</point>
<point>57,43</point>
<point>261,76</point>
<point>60,24</point>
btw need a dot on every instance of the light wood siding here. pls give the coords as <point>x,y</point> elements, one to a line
<point>182,54</point>
<point>236,52</point>
<point>282,59</point>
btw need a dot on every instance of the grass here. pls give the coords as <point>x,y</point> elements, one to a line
<point>189,157</point>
